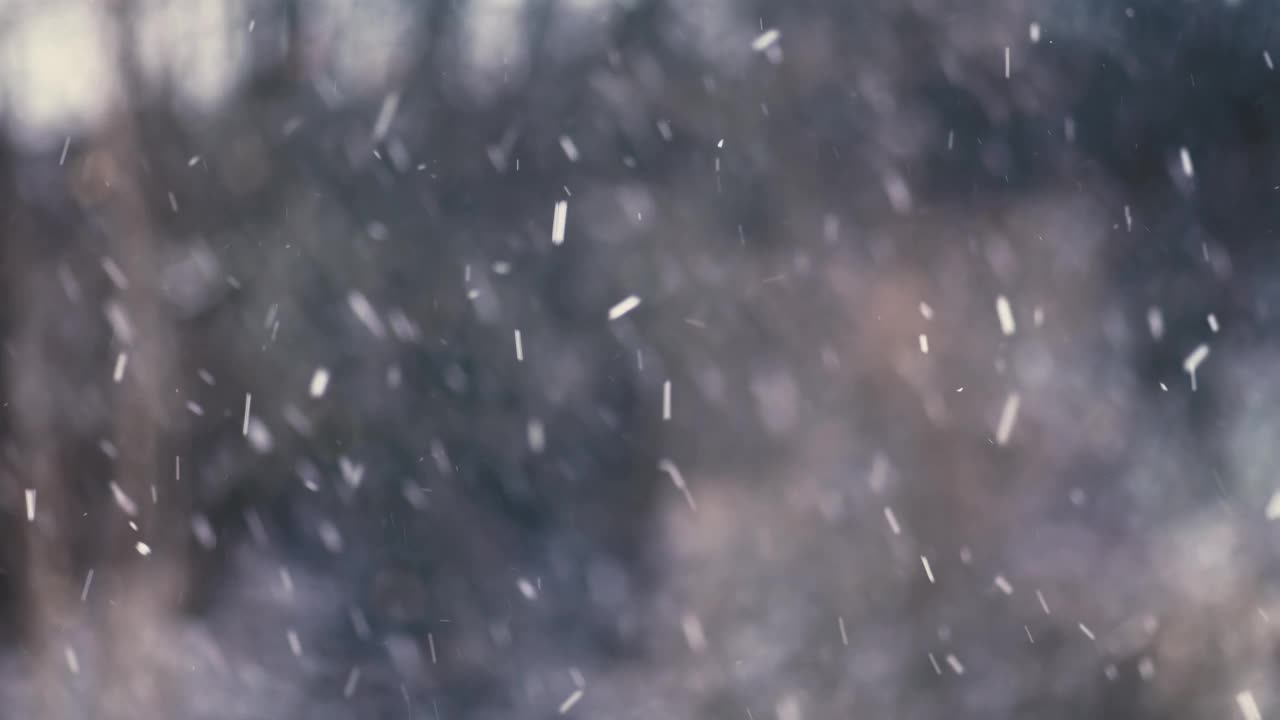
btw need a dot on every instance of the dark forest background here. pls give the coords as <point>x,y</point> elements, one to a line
<point>950,392</point>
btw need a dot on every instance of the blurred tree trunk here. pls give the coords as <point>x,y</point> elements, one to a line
<point>119,669</point>
<point>39,560</point>
<point>149,577</point>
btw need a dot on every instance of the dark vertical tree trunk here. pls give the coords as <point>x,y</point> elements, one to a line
<point>148,564</point>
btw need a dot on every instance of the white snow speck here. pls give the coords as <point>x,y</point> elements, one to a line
<point>1146,668</point>
<point>1266,58</point>
<point>295,645</point>
<point>765,40</point>
<point>527,589</point>
<point>536,435</point>
<point>259,436</point>
<point>402,327</point>
<point>365,313</point>
<point>956,666</point>
<point>123,501</point>
<point>519,348</point>
<point>352,472</point>
<point>1034,32</point>
<point>924,344</point>
<point>1193,361</point>
<point>1187,168</point>
<point>1272,511</point>
<point>353,679</point>
<point>319,383</point>
<point>928,571</point>
<point>569,148</point>
<point>1043,605</point>
<point>558,218</point>
<point>1008,418</point>
<point>844,635</point>
<point>926,312</point>
<point>1213,322</point>
<point>203,531</point>
<point>121,361</point>
<point>244,426</point>
<point>31,504</point>
<point>899,194</point>
<point>1248,706</point>
<point>330,536</point>
<point>386,114</point>
<point>1087,632</point>
<point>1003,585</point>
<point>1004,311</point>
<point>694,635</point>
<point>677,479</point>
<point>892,519</point>
<point>142,548</point>
<point>666,400</point>
<point>624,306</point>
<point>114,272</point>
<point>570,701</point>
<point>1007,62</point>
<point>1155,322</point>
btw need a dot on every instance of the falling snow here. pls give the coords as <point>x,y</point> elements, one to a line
<point>624,306</point>
<point>558,219</point>
<point>325,225</point>
<point>1187,168</point>
<point>1008,418</point>
<point>1248,706</point>
<point>319,383</point>
<point>1004,312</point>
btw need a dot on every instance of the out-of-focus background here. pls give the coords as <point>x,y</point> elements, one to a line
<point>638,358</point>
